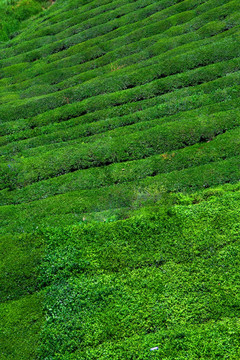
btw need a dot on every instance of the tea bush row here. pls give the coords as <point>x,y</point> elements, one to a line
<point>174,101</point>
<point>73,206</point>
<point>125,65</point>
<point>44,68</point>
<point>159,139</point>
<point>151,78</point>
<point>222,147</point>
<point>112,128</point>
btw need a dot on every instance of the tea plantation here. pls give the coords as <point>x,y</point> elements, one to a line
<point>119,179</point>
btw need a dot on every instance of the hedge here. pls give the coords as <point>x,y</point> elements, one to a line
<point>74,75</point>
<point>122,126</point>
<point>39,124</point>
<point>222,147</point>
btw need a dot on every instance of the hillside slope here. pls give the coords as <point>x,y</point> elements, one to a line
<point>15,12</point>
<point>119,125</point>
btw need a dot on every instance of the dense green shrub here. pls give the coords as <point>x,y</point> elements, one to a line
<point>142,119</point>
<point>164,46</point>
<point>13,13</point>
<point>115,89</point>
<point>177,101</point>
<point>125,287</point>
<point>222,147</point>
<point>71,207</point>
<point>120,165</point>
<point>159,139</point>
<point>21,321</point>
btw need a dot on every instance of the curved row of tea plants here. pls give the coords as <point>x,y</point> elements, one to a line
<point>119,181</point>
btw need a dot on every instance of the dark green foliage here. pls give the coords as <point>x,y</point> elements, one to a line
<point>221,147</point>
<point>17,275</point>
<point>20,304</point>
<point>20,324</point>
<point>165,279</point>
<point>119,179</point>
<point>159,139</point>
<point>13,12</point>
<point>72,206</point>
<point>140,81</point>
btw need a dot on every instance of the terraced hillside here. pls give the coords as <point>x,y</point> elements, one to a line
<point>119,189</point>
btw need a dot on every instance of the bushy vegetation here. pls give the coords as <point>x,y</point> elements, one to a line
<point>119,179</point>
<point>14,12</point>
<point>164,279</point>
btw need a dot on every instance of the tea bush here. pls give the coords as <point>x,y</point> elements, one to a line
<point>119,179</point>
